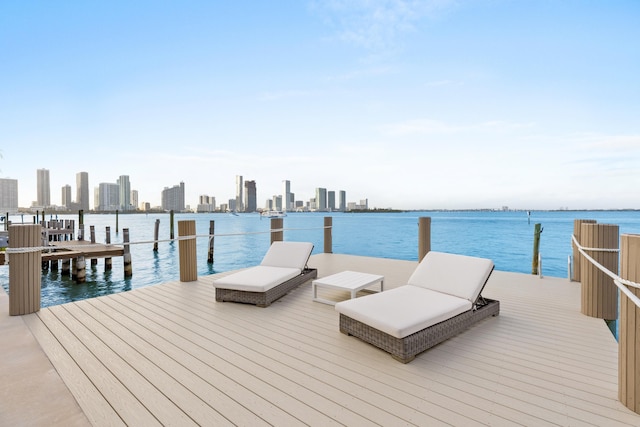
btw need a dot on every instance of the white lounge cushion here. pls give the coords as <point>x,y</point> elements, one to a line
<point>288,254</point>
<point>403,311</point>
<point>260,278</point>
<point>458,275</point>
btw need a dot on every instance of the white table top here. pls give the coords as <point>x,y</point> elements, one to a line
<point>349,280</point>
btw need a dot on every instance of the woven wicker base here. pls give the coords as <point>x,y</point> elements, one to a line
<point>264,299</point>
<point>405,349</point>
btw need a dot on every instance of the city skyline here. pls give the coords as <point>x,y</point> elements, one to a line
<point>414,104</point>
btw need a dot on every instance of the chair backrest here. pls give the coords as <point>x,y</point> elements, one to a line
<point>288,254</point>
<point>458,275</point>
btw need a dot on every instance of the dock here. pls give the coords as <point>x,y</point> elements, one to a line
<point>76,248</point>
<point>171,355</point>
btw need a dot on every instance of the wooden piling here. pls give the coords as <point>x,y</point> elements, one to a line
<point>599,293</point>
<point>277,224</point>
<point>117,229</point>
<point>424,236</point>
<point>92,231</point>
<point>577,257</point>
<point>126,257</point>
<point>25,277</point>
<point>212,228</point>
<point>187,251</point>
<point>171,234</point>
<point>108,261</point>
<point>66,267</point>
<point>629,337</point>
<point>81,224</point>
<point>328,236</point>
<point>156,233</point>
<point>81,270</point>
<point>54,265</point>
<point>537,231</point>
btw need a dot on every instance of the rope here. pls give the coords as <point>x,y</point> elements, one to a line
<point>619,281</point>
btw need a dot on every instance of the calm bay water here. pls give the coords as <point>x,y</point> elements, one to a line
<point>505,237</point>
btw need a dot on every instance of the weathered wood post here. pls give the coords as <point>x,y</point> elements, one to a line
<point>108,264</point>
<point>424,236</point>
<point>126,257</point>
<point>156,233</point>
<point>599,293</point>
<point>80,224</point>
<point>328,236</point>
<point>80,269</point>
<point>92,230</point>
<point>187,251</point>
<point>212,228</point>
<point>278,234</point>
<point>537,231</point>
<point>25,278</point>
<point>6,222</point>
<point>117,229</point>
<point>171,234</point>
<point>66,267</point>
<point>577,257</point>
<point>629,338</point>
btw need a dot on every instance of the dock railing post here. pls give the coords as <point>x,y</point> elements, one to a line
<point>92,231</point>
<point>328,235</point>
<point>156,233</point>
<point>80,224</point>
<point>171,234</point>
<point>599,293</point>
<point>537,231</point>
<point>277,225</point>
<point>577,257</point>
<point>187,251</point>
<point>212,227</point>
<point>629,337</point>
<point>25,277</point>
<point>424,236</point>
<point>107,261</point>
<point>126,256</point>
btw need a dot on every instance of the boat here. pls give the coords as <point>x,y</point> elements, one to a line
<point>273,214</point>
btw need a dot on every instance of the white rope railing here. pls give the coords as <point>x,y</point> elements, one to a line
<point>146,242</point>
<point>619,281</point>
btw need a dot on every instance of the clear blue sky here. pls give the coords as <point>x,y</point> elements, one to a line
<point>411,104</point>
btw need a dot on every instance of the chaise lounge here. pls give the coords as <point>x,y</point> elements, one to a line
<point>441,299</point>
<point>283,268</point>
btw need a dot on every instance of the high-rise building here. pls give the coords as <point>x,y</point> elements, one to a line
<point>66,196</point>
<point>331,200</point>
<point>239,199</point>
<point>125,192</point>
<point>82,190</point>
<point>44,189</point>
<point>287,203</point>
<point>321,199</point>
<point>173,198</point>
<point>206,204</point>
<point>108,197</point>
<point>8,195</point>
<point>134,200</point>
<point>250,200</point>
<point>276,204</point>
<point>342,201</point>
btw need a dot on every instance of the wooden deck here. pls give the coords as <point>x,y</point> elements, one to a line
<point>171,355</point>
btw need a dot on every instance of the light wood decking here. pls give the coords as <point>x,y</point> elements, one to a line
<point>170,354</point>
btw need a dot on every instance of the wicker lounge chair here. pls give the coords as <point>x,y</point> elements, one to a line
<point>441,299</point>
<point>283,268</point>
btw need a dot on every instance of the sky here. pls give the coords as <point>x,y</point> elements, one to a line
<point>411,104</point>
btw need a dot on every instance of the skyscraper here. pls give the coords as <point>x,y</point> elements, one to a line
<point>173,198</point>
<point>342,201</point>
<point>287,204</point>
<point>8,195</point>
<point>44,189</point>
<point>125,192</point>
<point>108,197</point>
<point>239,199</point>
<point>250,202</point>
<point>321,199</point>
<point>331,199</point>
<point>66,196</point>
<point>82,190</point>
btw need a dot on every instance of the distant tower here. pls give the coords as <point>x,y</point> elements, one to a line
<point>125,192</point>
<point>134,200</point>
<point>8,195</point>
<point>44,189</point>
<point>82,190</point>
<point>321,199</point>
<point>250,201</point>
<point>239,188</point>
<point>331,200</point>
<point>286,195</point>
<point>342,201</point>
<point>66,196</point>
